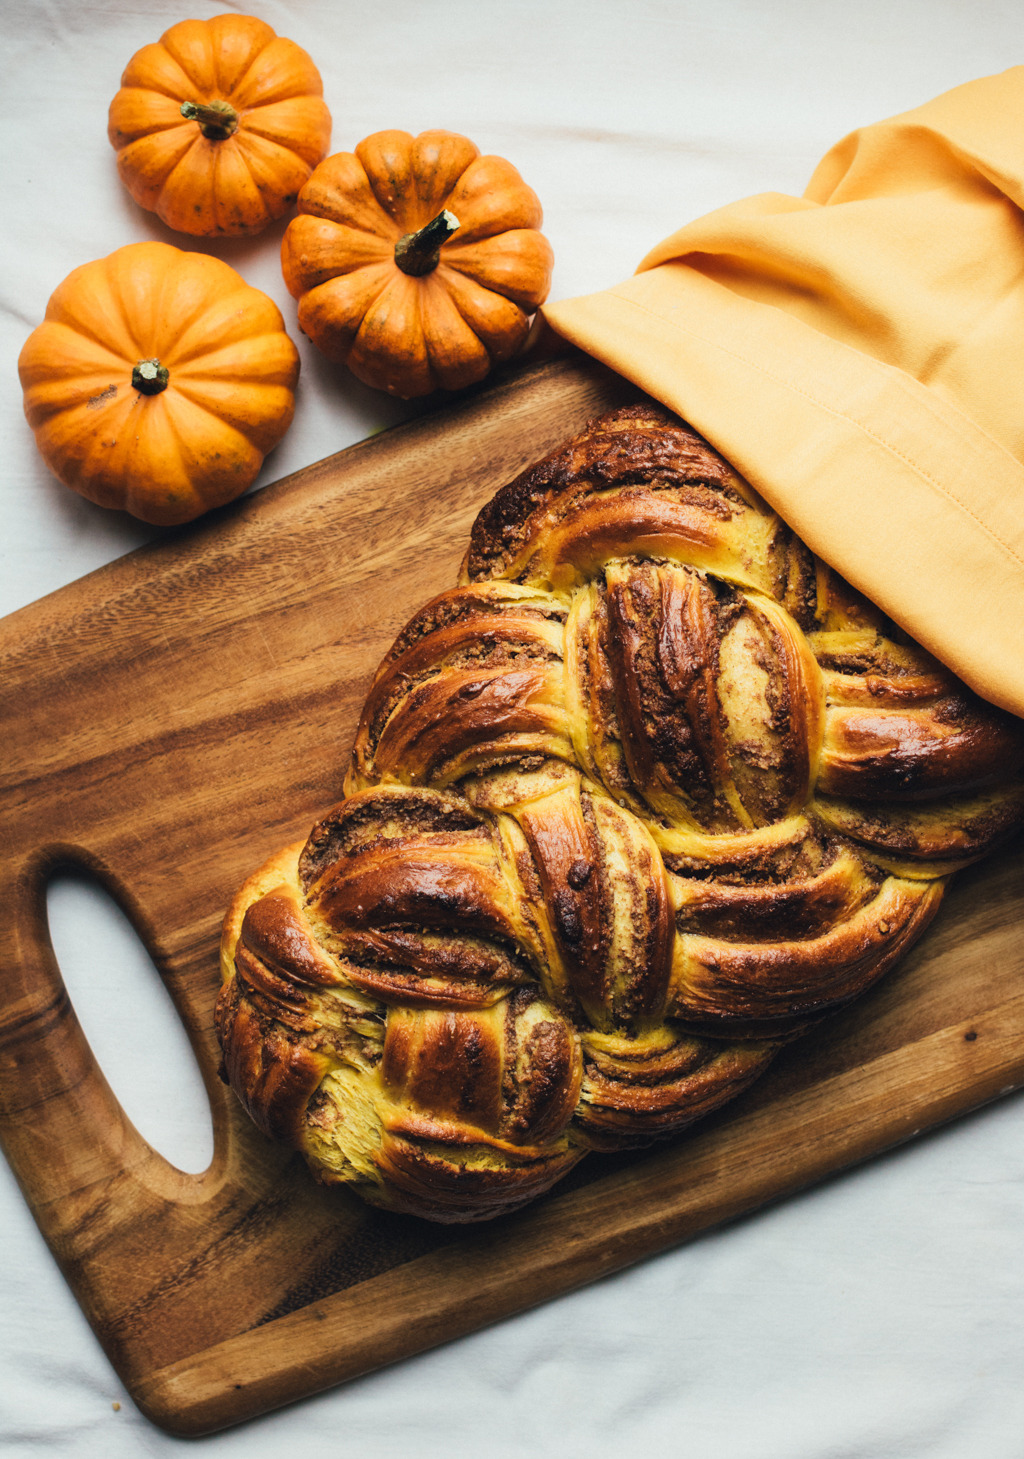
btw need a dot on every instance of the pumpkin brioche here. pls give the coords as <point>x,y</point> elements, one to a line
<point>645,796</point>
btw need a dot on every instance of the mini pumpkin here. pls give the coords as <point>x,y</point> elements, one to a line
<point>158,382</point>
<point>218,125</point>
<point>416,261</point>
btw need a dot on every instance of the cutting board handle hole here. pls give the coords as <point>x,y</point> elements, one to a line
<point>128,1017</point>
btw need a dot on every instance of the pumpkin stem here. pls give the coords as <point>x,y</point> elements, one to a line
<point>150,377</point>
<point>217,119</point>
<point>418,253</point>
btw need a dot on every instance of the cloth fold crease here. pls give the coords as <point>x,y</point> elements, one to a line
<point>857,354</point>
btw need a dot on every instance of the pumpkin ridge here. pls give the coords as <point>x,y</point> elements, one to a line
<point>300,94</point>
<point>178,361</point>
<point>270,103</point>
<point>387,239</point>
<point>339,190</point>
<point>178,309</point>
<point>198,62</point>
<point>169,316</point>
<point>394,204</point>
<point>353,326</point>
<point>100,465</point>
<point>234,165</point>
<point>65,308</point>
<point>170,124</point>
<point>176,95</point>
<point>198,389</point>
<point>471,260</point>
<point>191,160</point>
<point>46,400</point>
<point>254,121</point>
<point>77,425</point>
<point>240,460</point>
<point>272,158</point>
<point>387,325</point>
<point>175,143</point>
<point>518,207</point>
<point>395,282</point>
<point>291,58</point>
<point>146,71</point>
<point>185,368</point>
<point>472,277</point>
<point>126,340</point>
<point>385,204</point>
<point>125,464</point>
<point>509,323</point>
<point>303,277</point>
<point>118,359</point>
<point>258,33</point>
<point>180,404</point>
<point>254,433</point>
<point>237,325</point>
<point>438,356</point>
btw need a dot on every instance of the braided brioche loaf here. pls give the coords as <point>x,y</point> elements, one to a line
<point>642,798</point>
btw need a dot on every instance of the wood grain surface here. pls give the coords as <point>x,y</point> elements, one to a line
<point>173,718</point>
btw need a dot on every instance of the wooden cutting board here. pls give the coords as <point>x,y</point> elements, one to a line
<point>172,719</point>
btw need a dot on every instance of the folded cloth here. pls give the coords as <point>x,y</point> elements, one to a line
<point>858,354</point>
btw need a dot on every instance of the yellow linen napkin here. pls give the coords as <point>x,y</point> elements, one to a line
<point>858,354</point>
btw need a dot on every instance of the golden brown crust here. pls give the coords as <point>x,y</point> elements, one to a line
<point>643,798</point>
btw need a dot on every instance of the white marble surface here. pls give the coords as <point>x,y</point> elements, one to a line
<point>879,1315</point>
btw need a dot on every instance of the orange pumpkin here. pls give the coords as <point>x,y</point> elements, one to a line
<point>158,382</point>
<point>218,125</point>
<point>416,261</point>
